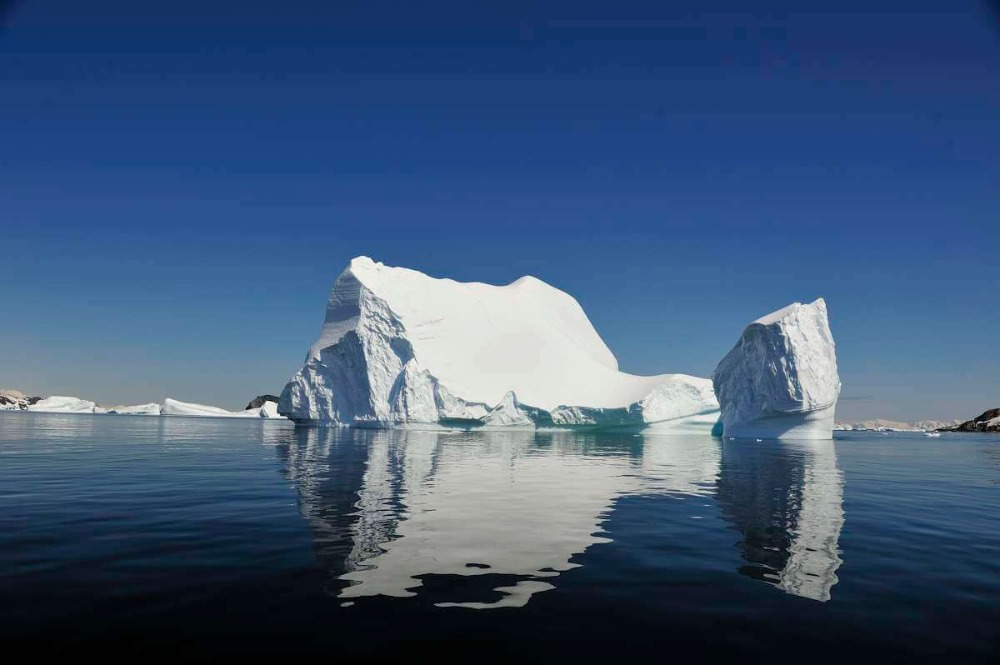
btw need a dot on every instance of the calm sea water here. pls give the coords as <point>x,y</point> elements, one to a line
<point>162,534</point>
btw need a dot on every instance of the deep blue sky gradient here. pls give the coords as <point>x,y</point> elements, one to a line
<point>180,182</point>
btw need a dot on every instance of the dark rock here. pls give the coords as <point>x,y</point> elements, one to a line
<point>259,400</point>
<point>979,424</point>
<point>17,400</point>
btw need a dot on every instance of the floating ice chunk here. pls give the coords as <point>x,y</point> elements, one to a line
<point>511,413</point>
<point>780,380</point>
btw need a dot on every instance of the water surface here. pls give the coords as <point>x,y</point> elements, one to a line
<point>140,533</point>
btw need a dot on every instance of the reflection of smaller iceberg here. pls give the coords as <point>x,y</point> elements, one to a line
<point>814,555</point>
<point>787,501</point>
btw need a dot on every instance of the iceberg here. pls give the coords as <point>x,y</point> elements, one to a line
<point>13,400</point>
<point>780,380</point>
<point>399,348</point>
<point>63,404</point>
<point>136,410</point>
<point>269,410</point>
<point>173,407</point>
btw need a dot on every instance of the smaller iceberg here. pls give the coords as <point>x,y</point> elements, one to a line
<point>780,381</point>
<point>173,407</point>
<point>63,404</point>
<point>136,410</point>
<point>170,407</point>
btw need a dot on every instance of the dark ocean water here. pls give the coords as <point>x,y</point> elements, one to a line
<point>178,535</point>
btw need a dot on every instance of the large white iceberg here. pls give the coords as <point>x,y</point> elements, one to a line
<point>400,348</point>
<point>780,380</point>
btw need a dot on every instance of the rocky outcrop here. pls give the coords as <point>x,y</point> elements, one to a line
<point>15,400</point>
<point>259,401</point>
<point>989,421</point>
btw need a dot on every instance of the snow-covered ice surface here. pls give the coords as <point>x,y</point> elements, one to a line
<point>136,410</point>
<point>270,410</point>
<point>880,424</point>
<point>173,407</point>
<point>63,404</point>
<point>170,407</point>
<point>780,380</point>
<point>400,348</point>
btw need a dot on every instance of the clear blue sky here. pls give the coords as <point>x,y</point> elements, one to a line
<point>180,185</point>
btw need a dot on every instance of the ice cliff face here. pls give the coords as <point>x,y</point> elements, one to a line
<point>780,380</point>
<point>400,348</point>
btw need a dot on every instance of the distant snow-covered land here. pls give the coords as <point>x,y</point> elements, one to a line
<point>11,400</point>
<point>880,424</point>
<point>15,400</point>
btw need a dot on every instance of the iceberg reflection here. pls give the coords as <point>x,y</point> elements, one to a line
<point>488,519</point>
<point>497,505</point>
<point>786,499</point>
